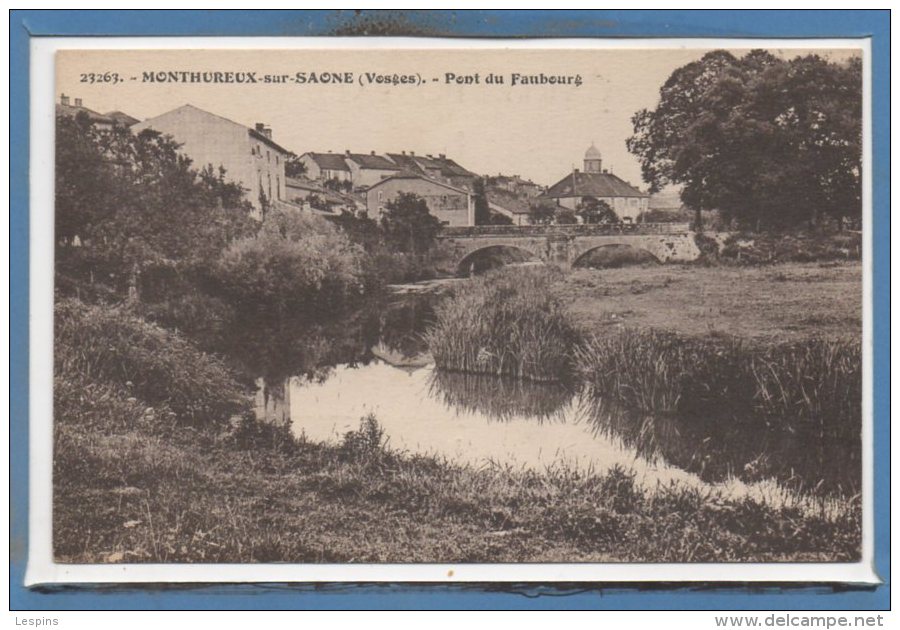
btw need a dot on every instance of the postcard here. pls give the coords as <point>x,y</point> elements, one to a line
<point>435,311</point>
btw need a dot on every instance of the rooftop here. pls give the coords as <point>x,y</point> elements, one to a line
<point>579,184</point>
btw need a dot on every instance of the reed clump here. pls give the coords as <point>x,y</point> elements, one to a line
<point>816,381</point>
<point>507,322</point>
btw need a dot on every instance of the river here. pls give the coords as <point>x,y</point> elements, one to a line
<point>374,362</point>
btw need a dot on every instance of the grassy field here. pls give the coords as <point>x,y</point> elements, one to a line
<point>136,491</point>
<point>773,303</point>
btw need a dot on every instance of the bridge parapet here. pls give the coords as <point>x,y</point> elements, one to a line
<point>586,229</point>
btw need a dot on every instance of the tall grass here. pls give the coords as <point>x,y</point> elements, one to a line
<point>816,380</point>
<point>508,322</point>
<point>110,346</point>
<point>723,408</point>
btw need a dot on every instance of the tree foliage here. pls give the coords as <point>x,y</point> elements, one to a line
<point>297,261</point>
<point>408,225</point>
<point>482,209</point>
<point>126,203</point>
<point>293,167</point>
<point>593,210</point>
<point>566,216</point>
<point>541,213</point>
<point>767,141</point>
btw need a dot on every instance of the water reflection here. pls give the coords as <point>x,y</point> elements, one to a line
<point>499,398</point>
<point>279,348</point>
<point>717,448</point>
<point>322,378</point>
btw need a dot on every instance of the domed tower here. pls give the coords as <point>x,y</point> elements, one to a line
<point>592,160</point>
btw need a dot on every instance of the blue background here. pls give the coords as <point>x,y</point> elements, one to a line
<point>816,24</point>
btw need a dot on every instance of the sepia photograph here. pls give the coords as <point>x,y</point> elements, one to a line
<point>508,305</point>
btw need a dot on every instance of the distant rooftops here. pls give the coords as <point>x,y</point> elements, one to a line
<point>72,107</point>
<point>429,165</point>
<point>579,184</point>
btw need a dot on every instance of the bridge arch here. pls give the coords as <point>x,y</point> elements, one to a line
<point>616,255</point>
<point>490,256</point>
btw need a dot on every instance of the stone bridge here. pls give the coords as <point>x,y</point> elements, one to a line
<point>565,245</point>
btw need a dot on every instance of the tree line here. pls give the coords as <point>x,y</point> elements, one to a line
<point>138,221</point>
<point>769,142</point>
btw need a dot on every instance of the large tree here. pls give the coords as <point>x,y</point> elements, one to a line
<point>768,141</point>
<point>127,203</point>
<point>482,208</point>
<point>408,225</point>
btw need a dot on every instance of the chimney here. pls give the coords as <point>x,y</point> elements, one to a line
<point>77,102</point>
<point>63,99</point>
<point>403,153</point>
<point>260,126</point>
<point>429,155</point>
<point>372,153</point>
<point>413,153</point>
<point>443,156</point>
<point>267,132</point>
<point>577,171</point>
<point>346,151</point>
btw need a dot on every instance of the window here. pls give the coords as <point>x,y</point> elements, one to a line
<point>380,195</point>
<point>278,185</point>
<point>268,156</point>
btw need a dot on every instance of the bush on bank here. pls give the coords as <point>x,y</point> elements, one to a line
<point>111,347</point>
<point>510,322</point>
<point>296,263</point>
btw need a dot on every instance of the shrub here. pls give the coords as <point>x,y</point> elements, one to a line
<point>615,256</point>
<point>708,246</point>
<point>509,321</point>
<point>365,442</point>
<point>297,261</point>
<point>111,346</point>
<point>776,247</point>
<point>202,318</point>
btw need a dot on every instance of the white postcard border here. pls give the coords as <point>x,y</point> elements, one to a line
<point>42,570</point>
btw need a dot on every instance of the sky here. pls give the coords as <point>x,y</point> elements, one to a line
<point>537,131</point>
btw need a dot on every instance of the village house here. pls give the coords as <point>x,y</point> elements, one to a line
<point>452,206</point>
<point>368,168</point>
<point>440,168</point>
<point>66,107</point>
<point>324,167</point>
<point>311,195</point>
<point>249,155</point>
<point>515,185</point>
<point>362,170</point>
<point>595,182</point>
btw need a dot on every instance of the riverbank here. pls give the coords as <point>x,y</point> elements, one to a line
<point>138,491</point>
<point>142,476</point>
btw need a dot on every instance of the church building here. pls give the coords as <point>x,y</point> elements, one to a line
<point>598,183</point>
